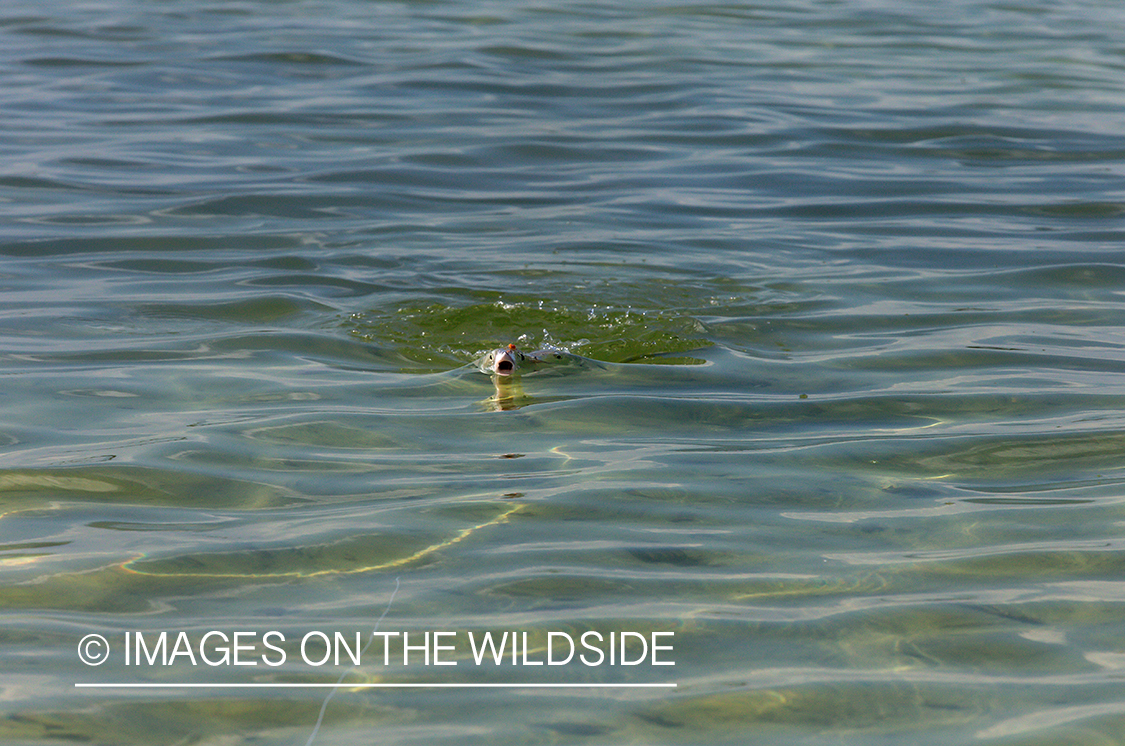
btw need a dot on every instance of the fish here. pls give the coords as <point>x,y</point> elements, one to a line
<point>510,361</point>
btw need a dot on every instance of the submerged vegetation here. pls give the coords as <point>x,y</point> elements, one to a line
<point>440,335</point>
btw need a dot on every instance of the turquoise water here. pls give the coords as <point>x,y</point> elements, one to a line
<point>853,275</point>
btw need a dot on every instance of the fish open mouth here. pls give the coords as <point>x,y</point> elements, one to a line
<point>504,361</point>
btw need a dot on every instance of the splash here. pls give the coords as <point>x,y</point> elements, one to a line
<point>439,335</point>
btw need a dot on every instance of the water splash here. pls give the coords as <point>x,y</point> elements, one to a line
<point>441,335</point>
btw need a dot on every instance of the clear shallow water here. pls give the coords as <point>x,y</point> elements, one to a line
<point>855,270</point>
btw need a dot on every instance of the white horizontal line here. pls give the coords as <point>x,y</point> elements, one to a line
<point>412,685</point>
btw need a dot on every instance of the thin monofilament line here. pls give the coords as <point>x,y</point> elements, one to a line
<point>332,692</point>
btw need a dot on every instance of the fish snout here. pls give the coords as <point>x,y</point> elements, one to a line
<point>505,362</point>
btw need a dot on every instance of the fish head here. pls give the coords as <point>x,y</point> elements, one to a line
<point>503,362</point>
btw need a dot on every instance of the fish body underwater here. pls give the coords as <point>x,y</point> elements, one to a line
<point>511,361</point>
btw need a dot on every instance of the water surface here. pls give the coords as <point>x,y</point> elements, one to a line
<point>853,269</point>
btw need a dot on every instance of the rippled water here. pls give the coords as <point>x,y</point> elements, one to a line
<point>853,272</point>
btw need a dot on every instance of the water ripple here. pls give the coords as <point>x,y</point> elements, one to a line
<point>850,273</point>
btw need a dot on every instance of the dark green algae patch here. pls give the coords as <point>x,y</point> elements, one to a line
<point>438,336</point>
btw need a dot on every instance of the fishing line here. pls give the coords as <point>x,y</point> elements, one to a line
<point>332,691</point>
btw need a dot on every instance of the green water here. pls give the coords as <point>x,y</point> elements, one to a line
<point>852,276</point>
